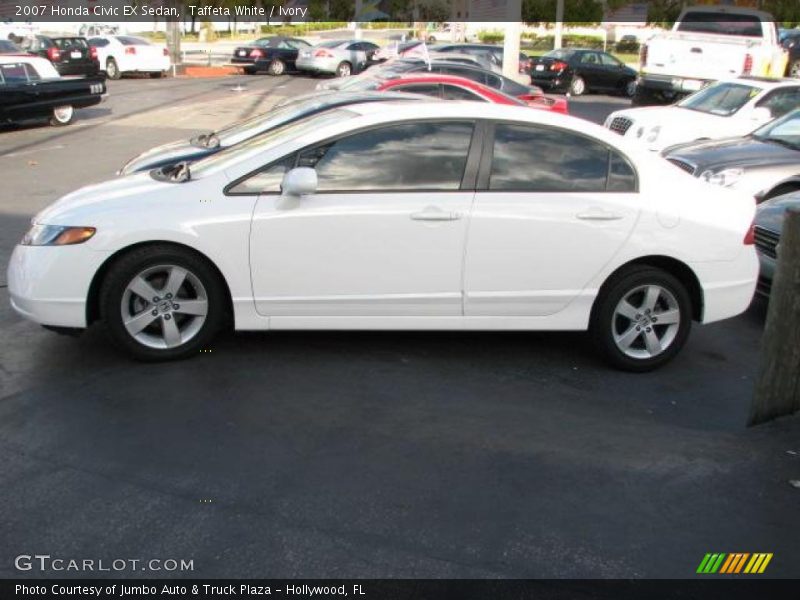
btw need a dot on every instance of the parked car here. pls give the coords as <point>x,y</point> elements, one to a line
<point>721,110</point>
<point>491,52</point>
<point>337,57</point>
<point>69,55</point>
<point>768,228</point>
<point>401,49</point>
<point>449,87</point>
<point>357,218</point>
<point>120,54</point>
<point>276,55</point>
<point>206,144</point>
<point>578,71</point>
<point>763,164</point>
<point>9,47</point>
<point>408,66</point>
<point>30,88</point>
<point>708,44</point>
<point>474,60</point>
<point>627,43</point>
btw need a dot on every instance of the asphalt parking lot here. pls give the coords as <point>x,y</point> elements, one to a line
<point>367,454</point>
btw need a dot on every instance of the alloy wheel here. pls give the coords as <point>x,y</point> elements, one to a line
<point>343,70</point>
<point>164,306</point>
<point>63,114</point>
<point>646,321</point>
<point>578,86</point>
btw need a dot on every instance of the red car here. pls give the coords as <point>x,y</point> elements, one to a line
<point>450,87</point>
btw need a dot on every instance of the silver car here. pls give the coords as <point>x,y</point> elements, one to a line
<point>336,57</point>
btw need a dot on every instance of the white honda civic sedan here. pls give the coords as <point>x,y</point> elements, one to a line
<point>398,215</point>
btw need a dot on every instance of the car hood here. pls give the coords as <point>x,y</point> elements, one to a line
<point>770,214</point>
<point>742,152</point>
<point>82,206</point>
<point>166,154</point>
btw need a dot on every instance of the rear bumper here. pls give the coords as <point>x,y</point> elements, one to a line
<point>89,70</point>
<point>552,83</point>
<point>728,287</point>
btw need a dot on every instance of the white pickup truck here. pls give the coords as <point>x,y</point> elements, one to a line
<point>708,44</point>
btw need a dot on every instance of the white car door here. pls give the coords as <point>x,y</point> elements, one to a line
<point>383,235</point>
<point>552,209</point>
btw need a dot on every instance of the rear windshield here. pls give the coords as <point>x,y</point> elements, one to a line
<point>132,41</point>
<point>710,22</point>
<point>65,43</point>
<point>722,99</point>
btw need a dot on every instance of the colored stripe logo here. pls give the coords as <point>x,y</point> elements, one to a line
<point>734,563</point>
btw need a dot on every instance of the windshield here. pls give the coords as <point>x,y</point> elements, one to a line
<point>244,130</point>
<point>722,99</point>
<point>265,141</point>
<point>709,22</point>
<point>784,131</point>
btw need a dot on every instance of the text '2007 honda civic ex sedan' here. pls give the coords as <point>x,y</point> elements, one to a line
<point>395,216</point>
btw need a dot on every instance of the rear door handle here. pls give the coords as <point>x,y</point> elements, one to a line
<point>599,215</point>
<point>433,213</point>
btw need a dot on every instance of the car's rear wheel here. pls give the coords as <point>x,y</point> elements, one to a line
<point>112,69</point>
<point>577,86</point>
<point>641,319</point>
<point>162,302</point>
<point>249,70</point>
<point>62,115</point>
<point>344,69</point>
<point>157,75</point>
<point>794,69</point>
<point>629,88</point>
<point>276,67</point>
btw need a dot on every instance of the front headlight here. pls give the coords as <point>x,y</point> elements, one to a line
<point>725,178</point>
<point>56,235</point>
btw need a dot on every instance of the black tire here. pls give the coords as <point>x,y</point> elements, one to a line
<point>250,70</point>
<point>577,86</point>
<point>628,88</point>
<point>62,115</point>
<point>276,67</point>
<point>112,69</point>
<point>344,69</point>
<point>644,97</point>
<point>793,69</point>
<point>126,268</point>
<point>156,75</point>
<point>605,321</point>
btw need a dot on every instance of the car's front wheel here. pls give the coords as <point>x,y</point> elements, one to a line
<point>62,115</point>
<point>641,319</point>
<point>162,302</point>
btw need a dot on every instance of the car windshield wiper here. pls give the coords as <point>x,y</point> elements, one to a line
<point>181,172</point>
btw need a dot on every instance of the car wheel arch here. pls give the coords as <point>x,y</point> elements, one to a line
<point>677,268</point>
<point>93,296</point>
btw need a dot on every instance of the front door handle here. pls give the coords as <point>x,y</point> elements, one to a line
<point>599,215</point>
<point>433,213</point>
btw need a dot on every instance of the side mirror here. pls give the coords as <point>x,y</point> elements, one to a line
<point>301,181</point>
<point>761,114</point>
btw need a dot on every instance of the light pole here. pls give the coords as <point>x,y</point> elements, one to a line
<point>559,24</point>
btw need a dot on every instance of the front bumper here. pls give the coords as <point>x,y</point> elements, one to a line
<point>50,284</point>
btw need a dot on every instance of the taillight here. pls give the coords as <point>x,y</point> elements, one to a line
<point>165,51</point>
<point>643,55</point>
<point>93,52</point>
<point>256,53</point>
<point>748,64</point>
<point>750,236</point>
<point>130,50</point>
<point>322,53</point>
<point>558,65</point>
<point>53,54</point>
<point>530,97</point>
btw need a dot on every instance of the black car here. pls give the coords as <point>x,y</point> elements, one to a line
<point>490,51</point>
<point>206,144</point>
<point>578,71</point>
<point>768,228</point>
<point>69,55</point>
<point>27,93</point>
<point>275,55</point>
